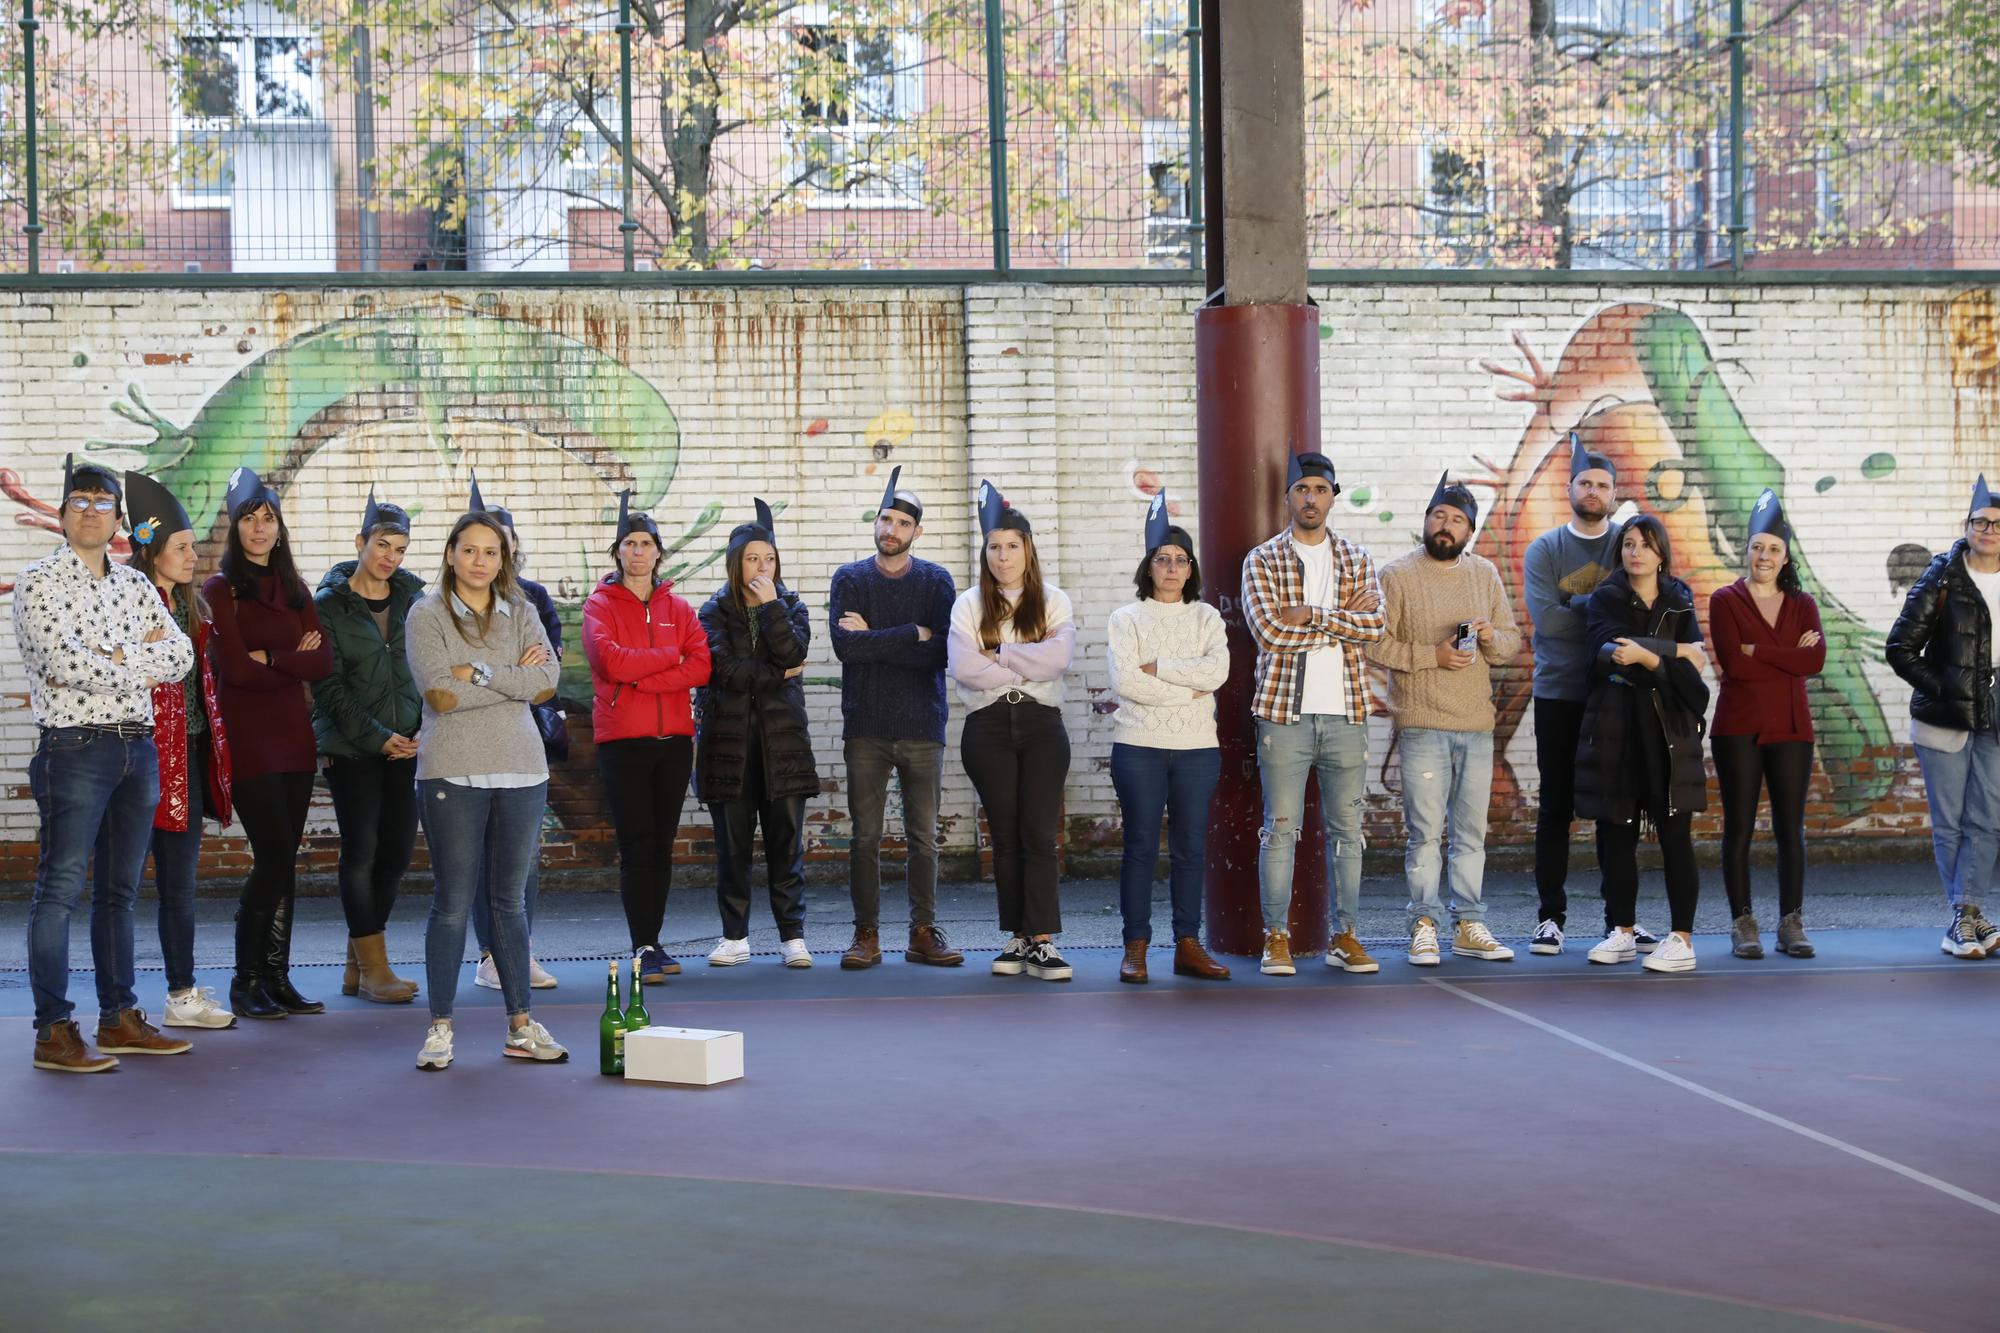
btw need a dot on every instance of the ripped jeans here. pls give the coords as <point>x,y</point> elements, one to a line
<point>1447,783</point>
<point>1337,750</point>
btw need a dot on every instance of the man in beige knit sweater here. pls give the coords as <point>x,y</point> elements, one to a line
<point>1448,624</point>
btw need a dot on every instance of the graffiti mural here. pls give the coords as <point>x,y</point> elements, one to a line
<point>1639,384</point>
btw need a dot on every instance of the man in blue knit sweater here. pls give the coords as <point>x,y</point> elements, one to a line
<point>889,616</point>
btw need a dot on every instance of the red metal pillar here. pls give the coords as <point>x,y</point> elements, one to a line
<point>1256,402</point>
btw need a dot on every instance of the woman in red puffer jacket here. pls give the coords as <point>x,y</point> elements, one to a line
<point>194,752</point>
<point>647,654</point>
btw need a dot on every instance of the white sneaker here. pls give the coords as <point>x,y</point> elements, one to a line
<point>795,953</point>
<point>1616,948</point>
<point>539,977</point>
<point>728,952</point>
<point>196,1008</point>
<point>1424,943</point>
<point>1674,955</point>
<point>531,1041</point>
<point>487,974</point>
<point>1473,940</point>
<point>1548,939</point>
<point>436,1053</point>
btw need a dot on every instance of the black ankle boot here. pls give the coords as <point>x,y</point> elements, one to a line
<point>247,998</point>
<point>278,962</point>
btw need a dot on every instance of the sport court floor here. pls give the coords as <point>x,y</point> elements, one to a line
<point>1540,1144</point>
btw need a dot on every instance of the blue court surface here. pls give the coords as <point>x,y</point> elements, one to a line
<point>1536,1144</point>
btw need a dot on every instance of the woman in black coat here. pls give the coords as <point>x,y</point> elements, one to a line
<point>753,752</point>
<point>1641,749</point>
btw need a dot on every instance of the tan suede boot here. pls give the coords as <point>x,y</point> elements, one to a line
<point>378,982</point>
<point>350,980</point>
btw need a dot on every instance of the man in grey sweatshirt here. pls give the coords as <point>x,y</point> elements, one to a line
<point>1563,566</point>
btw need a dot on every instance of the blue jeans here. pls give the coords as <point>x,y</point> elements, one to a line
<point>469,829</point>
<point>1447,783</point>
<point>1964,794</point>
<point>1151,783</point>
<point>482,901</point>
<point>176,873</point>
<point>85,781</point>
<point>1337,750</point>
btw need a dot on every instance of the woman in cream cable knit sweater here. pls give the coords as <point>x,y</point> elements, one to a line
<point>1167,657</point>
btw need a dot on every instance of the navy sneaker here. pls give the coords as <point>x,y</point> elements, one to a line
<point>655,966</point>
<point>1962,939</point>
<point>1013,959</point>
<point>1645,941</point>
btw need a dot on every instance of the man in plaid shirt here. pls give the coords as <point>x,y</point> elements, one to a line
<point>1311,601</point>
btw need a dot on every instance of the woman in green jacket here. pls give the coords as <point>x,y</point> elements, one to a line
<point>365,715</point>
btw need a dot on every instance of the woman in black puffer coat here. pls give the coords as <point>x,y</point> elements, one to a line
<point>753,749</point>
<point>1641,748</point>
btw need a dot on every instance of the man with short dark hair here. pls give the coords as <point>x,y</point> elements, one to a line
<point>95,638</point>
<point>889,617</point>
<point>1311,602</point>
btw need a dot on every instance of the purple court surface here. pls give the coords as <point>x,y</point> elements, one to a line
<point>1540,1144</point>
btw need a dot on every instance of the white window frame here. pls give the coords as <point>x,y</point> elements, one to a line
<point>1163,33</point>
<point>244,111</point>
<point>1624,192</point>
<point>1165,144</point>
<point>583,170</point>
<point>899,187</point>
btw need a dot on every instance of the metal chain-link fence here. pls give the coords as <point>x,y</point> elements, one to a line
<point>300,136</point>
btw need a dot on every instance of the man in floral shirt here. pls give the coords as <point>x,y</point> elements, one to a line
<point>95,638</point>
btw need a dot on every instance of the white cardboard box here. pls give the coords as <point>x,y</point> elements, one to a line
<point>683,1055</point>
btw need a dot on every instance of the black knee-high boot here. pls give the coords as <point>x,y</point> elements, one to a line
<point>247,997</point>
<point>278,964</point>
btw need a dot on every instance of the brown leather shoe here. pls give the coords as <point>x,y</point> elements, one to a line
<point>1133,968</point>
<point>60,1048</point>
<point>927,945</point>
<point>866,951</point>
<point>378,981</point>
<point>133,1035</point>
<point>1191,960</point>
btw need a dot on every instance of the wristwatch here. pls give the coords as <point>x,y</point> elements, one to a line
<point>482,675</point>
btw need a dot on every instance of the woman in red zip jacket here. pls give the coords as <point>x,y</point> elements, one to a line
<point>647,654</point>
<point>267,648</point>
<point>194,753</point>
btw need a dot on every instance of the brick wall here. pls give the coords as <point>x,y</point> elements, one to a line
<point>1870,409</point>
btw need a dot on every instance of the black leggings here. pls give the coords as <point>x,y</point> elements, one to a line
<point>645,784</point>
<point>272,807</point>
<point>1743,768</point>
<point>1618,860</point>
<point>375,800</point>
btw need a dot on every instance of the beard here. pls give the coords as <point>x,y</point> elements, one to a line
<point>1442,546</point>
<point>890,548</point>
<point>1589,509</point>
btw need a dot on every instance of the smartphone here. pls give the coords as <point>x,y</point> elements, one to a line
<point>1468,641</point>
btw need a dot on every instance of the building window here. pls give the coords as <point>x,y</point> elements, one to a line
<point>226,81</point>
<point>1458,206</point>
<point>1163,33</point>
<point>567,153</point>
<point>1166,185</point>
<point>858,89</point>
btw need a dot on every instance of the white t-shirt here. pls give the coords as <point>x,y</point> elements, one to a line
<point>1326,667</point>
<point>1989,588</point>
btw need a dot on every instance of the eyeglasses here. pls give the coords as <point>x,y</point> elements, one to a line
<point>83,505</point>
<point>1172,562</point>
<point>1981,525</point>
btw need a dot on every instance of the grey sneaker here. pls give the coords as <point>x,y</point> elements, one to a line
<point>1792,936</point>
<point>533,1042</point>
<point>1745,939</point>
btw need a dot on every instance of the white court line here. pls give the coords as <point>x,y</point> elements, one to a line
<point>1724,1099</point>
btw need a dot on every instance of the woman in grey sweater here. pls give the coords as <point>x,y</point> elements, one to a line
<point>479,655</point>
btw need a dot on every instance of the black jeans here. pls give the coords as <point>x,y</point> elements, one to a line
<point>375,802</point>
<point>784,822</point>
<point>1742,769</point>
<point>1558,727</point>
<point>1017,755</point>
<point>272,807</point>
<point>645,784</point>
<point>1618,860</point>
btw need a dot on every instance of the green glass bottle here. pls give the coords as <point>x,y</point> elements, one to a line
<point>611,1029</point>
<point>636,1016</point>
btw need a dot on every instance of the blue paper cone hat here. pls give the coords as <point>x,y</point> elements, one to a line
<point>1767,515</point>
<point>1981,497</point>
<point>247,491</point>
<point>156,514</point>
<point>995,512</point>
<point>1457,495</point>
